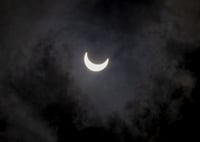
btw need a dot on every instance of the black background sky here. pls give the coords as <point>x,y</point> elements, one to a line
<point>149,92</point>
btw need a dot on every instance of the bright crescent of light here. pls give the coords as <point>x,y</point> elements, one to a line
<point>95,67</point>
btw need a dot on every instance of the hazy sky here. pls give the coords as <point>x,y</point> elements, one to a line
<point>41,59</point>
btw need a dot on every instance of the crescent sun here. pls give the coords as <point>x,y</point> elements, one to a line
<point>95,67</point>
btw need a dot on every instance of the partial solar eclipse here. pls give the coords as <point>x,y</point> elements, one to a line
<point>95,67</point>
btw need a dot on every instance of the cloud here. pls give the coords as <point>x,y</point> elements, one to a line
<point>42,65</point>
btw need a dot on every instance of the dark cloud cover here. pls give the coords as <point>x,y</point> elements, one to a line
<point>47,94</point>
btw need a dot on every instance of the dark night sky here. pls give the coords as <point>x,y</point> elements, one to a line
<point>149,91</point>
